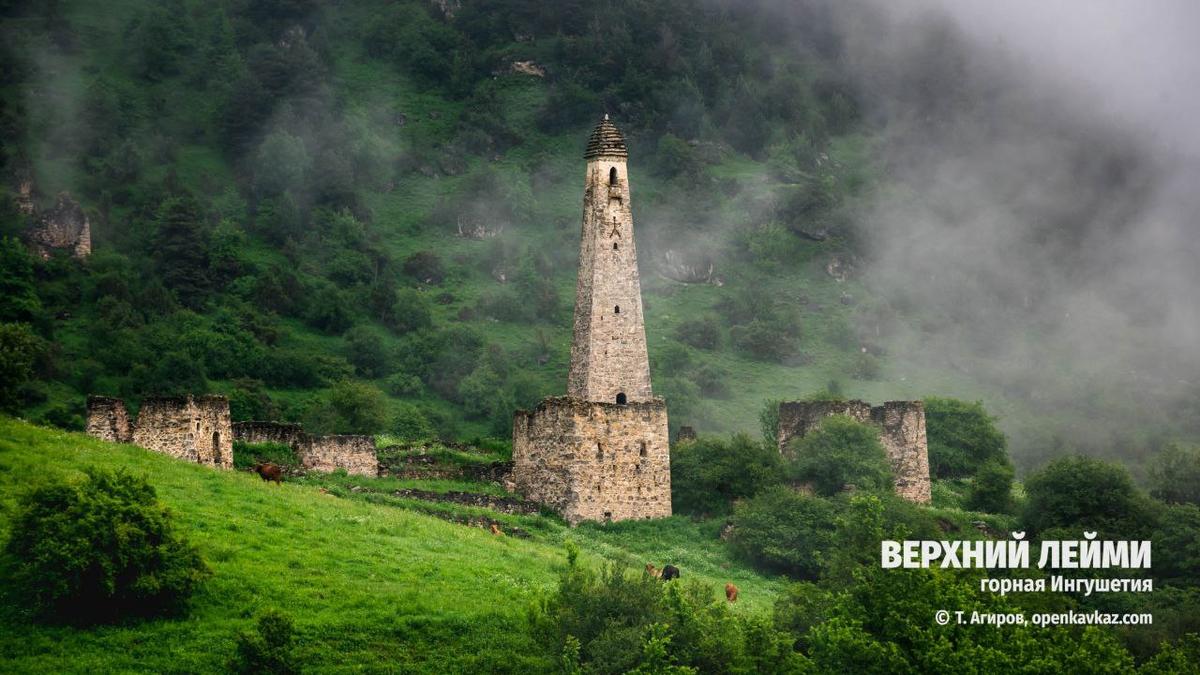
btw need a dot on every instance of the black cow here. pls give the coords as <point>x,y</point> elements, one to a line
<point>670,572</point>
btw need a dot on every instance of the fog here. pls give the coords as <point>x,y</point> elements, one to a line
<point>1038,210</point>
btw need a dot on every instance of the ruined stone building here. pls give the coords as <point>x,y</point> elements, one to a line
<point>65,227</point>
<point>355,454</point>
<point>193,428</point>
<point>601,452</point>
<point>901,432</point>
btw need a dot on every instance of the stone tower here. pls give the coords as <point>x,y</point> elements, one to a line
<point>608,351</point>
<point>601,452</point>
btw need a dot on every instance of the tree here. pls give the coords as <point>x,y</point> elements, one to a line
<point>841,452</point>
<point>20,349</point>
<point>991,491</point>
<point>18,295</point>
<point>962,437</point>
<point>1175,475</point>
<point>783,530</point>
<point>366,351</point>
<point>181,249</point>
<point>708,474</point>
<point>1085,493</point>
<point>100,549</point>
<point>350,408</point>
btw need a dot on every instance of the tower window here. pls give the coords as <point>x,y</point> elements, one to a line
<point>642,451</point>
<point>614,245</point>
<point>612,176</point>
<point>617,309</point>
<point>599,451</point>
<point>621,400</point>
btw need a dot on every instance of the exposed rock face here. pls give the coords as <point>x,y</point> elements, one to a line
<point>594,461</point>
<point>193,428</point>
<point>64,227</point>
<point>902,434</point>
<point>108,420</point>
<point>528,68</point>
<point>355,454</point>
<point>601,452</point>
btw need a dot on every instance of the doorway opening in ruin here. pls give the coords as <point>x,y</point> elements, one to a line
<point>612,176</point>
<point>616,309</point>
<point>621,398</point>
<point>217,447</point>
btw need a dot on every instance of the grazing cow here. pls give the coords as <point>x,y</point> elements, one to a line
<point>670,572</point>
<point>269,471</point>
<point>731,592</point>
<point>652,570</point>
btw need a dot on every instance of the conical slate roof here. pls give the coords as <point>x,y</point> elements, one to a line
<point>606,141</point>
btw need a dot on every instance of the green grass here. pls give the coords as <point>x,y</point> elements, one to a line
<point>372,587</point>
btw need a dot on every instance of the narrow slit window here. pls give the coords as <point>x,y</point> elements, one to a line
<point>617,309</point>
<point>612,176</point>
<point>614,245</point>
<point>642,450</point>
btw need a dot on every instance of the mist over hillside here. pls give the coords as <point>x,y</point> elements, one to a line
<point>893,200</point>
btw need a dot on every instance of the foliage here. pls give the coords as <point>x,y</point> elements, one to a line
<point>962,437</point>
<point>991,490</point>
<point>768,422</point>
<point>1085,493</point>
<point>269,648</point>
<point>1175,475</point>
<point>246,455</point>
<point>840,452</point>
<point>709,474</point>
<point>701,333</point>
<point>617,622</point>
<point>100,550</point>
<point>783,530</point>
<point>20,349</point>
<point>349,408</point>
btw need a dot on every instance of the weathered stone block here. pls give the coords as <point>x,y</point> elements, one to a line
<point>194,428</point>
<point>285,433</point>
<point>355,454</point>
<point>594,460</point>
<point>901,432</point>
<point>108,420</point>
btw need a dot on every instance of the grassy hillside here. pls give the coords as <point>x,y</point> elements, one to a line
<point>372,588</point>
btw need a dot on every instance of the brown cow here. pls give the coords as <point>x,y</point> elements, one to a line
<point>496,530</point>
<point>652,570</point>
<point>269,471</point>
<point>731,592</point>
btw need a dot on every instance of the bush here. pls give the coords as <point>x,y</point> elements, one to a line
<point>962,437</point>
<point>618,622</point>
<point>709,473</point>
<point>100,550</point>
<point>838,453</point>
<point>1085,493</point>
<point>246,455</point>
<point>991,491</point>
<point>702,333</point>
<point>268,649</point>
<point>783,530</point>
<point>1175,475</point>
<point>20,349</point>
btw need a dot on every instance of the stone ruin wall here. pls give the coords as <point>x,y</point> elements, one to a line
<point>355,454</point>
<point>902,434</point>
<point>594,461</point>
<point>63,227</point>
<point>193,428</point>
<point>108,420</point>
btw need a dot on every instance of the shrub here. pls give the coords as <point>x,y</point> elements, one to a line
<point>618,622</point>
<point>1082,492</point>
<point>783,530</point>
<point>708,474</point>
<point>838,453</point>
<point>246,455</point>
<point>991,491</point>
<point>425,267</point>
<point>366,352</point>
<point>702,333</point>
<point>20,349</point>
<point>962,437</point>
<point>268,649</point>
<point>1175,475</point>
<point>100,550</point>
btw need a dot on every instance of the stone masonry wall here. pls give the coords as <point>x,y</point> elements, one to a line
<point>63,227</point>
<point>594,461</point>
<point>902,434</point>
<point>355,454</point>
<point>108,420</point>
<point>270,432</point>
<point>194,428</point>
<point>608,349</point>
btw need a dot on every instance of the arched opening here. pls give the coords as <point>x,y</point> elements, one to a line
<point>614,245</point>
<point>612,176</point>
<point>617,309</point>
<point>642,450</point>
<point>621,398</point>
